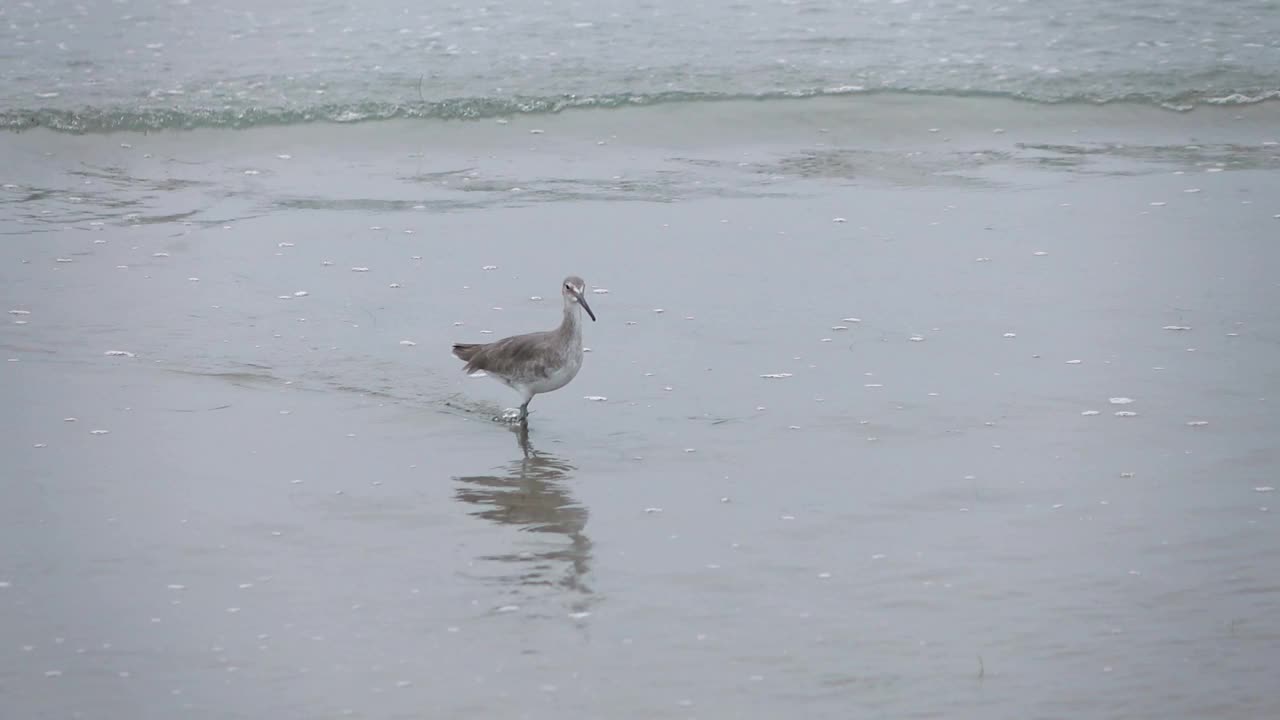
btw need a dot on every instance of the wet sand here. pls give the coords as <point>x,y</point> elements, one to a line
<point>944,507</point>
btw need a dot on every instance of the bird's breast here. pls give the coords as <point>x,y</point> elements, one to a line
<point>558,375</point>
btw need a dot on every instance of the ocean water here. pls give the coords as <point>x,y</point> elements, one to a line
<point>95,65</point>
<point>951,393</point>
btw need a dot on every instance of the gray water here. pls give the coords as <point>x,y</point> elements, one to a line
<point>913,403</point>
<point>97,65</point>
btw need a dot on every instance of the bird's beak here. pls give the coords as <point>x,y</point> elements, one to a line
<point>583,301</point>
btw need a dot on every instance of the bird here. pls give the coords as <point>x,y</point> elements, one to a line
<point>538,362</point>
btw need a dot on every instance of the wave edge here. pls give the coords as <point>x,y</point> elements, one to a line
<point>122,119</point>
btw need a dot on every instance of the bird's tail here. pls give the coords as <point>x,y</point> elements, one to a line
<point>466,351</point>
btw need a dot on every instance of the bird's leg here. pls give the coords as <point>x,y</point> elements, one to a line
<point>524,412</point>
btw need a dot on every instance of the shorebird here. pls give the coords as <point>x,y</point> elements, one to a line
<point>538,362</point>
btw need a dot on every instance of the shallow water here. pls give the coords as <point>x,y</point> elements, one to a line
<point>295,514</point>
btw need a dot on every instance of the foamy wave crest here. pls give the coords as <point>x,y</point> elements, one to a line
<point>135,119</point>
<point>1244,98</point>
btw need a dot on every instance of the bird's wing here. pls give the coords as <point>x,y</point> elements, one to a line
<point>519,356</point>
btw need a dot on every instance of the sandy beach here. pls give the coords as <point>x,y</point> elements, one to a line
<point>896,406</point>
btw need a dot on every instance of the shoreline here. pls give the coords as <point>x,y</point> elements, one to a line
<point>896,105</point>
<point>863,386</point>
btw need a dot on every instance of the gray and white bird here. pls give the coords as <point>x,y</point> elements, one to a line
<point>538,362</point>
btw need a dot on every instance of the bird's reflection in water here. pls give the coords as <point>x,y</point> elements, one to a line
<point>531,496</point>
